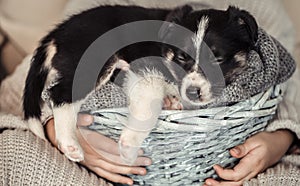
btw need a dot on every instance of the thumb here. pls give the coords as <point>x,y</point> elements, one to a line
<point>84,120</point>
<point>240,150</point>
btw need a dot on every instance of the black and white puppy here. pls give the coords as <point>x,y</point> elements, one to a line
<point>228,35</point>
<point>222,39</point>
<point>220,43</point>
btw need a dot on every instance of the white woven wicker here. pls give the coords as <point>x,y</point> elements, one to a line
<point>186,144</point>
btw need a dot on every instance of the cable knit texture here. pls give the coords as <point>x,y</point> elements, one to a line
<point>27,160</point>
<point>280,175</point>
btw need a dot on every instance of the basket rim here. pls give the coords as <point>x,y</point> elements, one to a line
<point>207,119</point>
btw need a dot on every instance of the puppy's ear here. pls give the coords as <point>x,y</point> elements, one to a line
<point>243,17</point>
<point>174,17</point>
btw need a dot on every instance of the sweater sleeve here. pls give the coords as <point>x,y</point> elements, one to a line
<point>11,92</point>
<point>28,160</point>
<point>288,116</point>
<point>11,89</point>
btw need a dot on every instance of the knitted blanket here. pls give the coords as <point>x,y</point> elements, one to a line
<point>271,64</point>
<point>268,65</point>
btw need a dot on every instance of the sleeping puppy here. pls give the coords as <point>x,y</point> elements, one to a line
<point>218,46</point>
<point>222,40</point>
<point>227,36</point>
<point>55,62</point>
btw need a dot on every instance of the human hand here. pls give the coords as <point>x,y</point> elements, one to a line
<point>258,153</point>
<point>101,154</point>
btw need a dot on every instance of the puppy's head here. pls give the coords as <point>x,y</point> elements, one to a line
<point>220,40</point>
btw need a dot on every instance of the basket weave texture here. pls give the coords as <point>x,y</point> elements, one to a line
<point>186,144</point>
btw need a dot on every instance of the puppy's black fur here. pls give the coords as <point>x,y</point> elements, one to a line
<point>73,37</point>
<point>219,38</point>
<point>229,32</point>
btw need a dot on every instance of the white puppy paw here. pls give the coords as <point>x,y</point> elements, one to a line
<point>172,103</point>
<point>72,150</point>
<point>122,64</point>
<point>128,152</point>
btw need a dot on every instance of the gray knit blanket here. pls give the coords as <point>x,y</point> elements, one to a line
<point>268,65</point>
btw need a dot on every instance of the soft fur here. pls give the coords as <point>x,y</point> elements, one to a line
<point>220,38</point>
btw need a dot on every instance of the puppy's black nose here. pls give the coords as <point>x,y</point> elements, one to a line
<point>193,93</point>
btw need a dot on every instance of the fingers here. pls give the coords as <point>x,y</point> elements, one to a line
<point>114,177</point>
<point>212,182</point>
<point>246,169</point>
<point>112,167</point>
<point>142,161</point>
<point>116,159</point>
<point>250,164</point>
<point>237,173</point>
<point>102,155</point>
<point>111,171</point>
<point>240,150</point>
<point>99,142</point>
<point>243,149</point>
<point>107,148</point>
<point>84,120</point>
<point>257,153</point>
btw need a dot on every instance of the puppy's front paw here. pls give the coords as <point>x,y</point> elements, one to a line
<point>122,64</point>
<point>128,152</point>
<point>172,103</point>
<point>72,150</point>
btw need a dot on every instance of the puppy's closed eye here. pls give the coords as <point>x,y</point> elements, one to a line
<point>181,57</point>
<point>217,60</point>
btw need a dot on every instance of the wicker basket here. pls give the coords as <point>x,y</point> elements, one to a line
<point>186,144</point>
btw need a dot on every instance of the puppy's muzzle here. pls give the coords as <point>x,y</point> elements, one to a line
<point>193,93</point>
<point>196,89</point>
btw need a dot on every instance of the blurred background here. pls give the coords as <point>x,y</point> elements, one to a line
<point>23,23</point>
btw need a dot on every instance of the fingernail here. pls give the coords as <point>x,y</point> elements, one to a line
<point>236,150</point>
<point>88,119</point>
<point>208,183</point>
<point>216,167</point>
<point>142,172</point>
<point>147,162</point>
<point>140,152</point>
